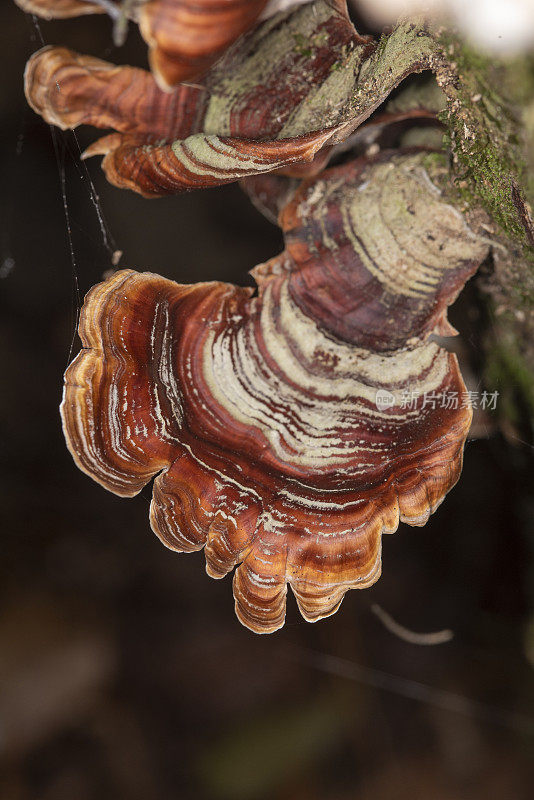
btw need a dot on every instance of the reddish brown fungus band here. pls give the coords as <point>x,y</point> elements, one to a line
<point>259,416</point>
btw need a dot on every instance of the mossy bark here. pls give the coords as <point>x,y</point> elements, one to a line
<point>489,141</point>
<point>489,120</point>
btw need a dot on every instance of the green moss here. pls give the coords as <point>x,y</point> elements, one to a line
<point>485,136</point>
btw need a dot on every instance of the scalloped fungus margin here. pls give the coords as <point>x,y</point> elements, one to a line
<point>258,415</point>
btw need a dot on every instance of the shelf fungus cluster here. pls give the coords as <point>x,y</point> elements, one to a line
<point>288,428</point>
<point>260,415</point>
<point>300,82</point>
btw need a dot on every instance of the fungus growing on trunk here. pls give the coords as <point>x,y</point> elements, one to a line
<point>289,430</point>
<point>301,81</point>
<point>254,113</point>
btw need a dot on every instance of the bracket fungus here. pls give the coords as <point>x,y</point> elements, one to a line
<point>299,82</point>
<point>59,9</point>
<point>185,37</point>
<point>260,415</point>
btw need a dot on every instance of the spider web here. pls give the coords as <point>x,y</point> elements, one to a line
<point>62,148</point>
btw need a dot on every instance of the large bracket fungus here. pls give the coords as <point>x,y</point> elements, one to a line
<point>261,415</point>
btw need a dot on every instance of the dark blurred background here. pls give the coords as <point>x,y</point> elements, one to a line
<point>123,670</point>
